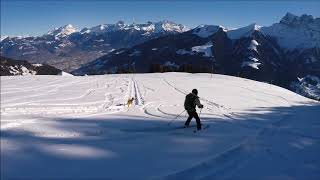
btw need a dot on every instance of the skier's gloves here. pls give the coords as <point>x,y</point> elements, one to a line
<point>201,106</point>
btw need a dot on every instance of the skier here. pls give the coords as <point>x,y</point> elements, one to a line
<point>190,103</point>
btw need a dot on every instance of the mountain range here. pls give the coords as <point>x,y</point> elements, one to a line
<point>286,53</point>
<point>283,54</point>
<point>67,48</point>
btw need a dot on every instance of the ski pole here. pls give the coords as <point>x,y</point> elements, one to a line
<point>176,117</point>
<point>200,112</point>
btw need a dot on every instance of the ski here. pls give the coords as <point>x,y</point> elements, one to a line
<point>203,128</point>
<point>161,129</point>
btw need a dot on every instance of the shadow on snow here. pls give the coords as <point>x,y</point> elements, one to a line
<point>279,142</point>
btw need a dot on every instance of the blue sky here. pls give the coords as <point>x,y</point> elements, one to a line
<point>36,17</point>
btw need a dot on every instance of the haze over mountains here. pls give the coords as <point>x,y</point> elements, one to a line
<point>286,53</point>
<point>67,48</point>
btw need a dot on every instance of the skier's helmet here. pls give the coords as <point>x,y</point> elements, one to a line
<point>195,91</point>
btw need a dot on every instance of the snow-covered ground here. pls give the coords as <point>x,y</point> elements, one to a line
<point>79,127</point>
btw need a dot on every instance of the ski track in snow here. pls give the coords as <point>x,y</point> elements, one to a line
<point>138,98</point>
<point>41,107</point>
<point>32,88</point>
<point>158,106</point>
<point>226,112</point>
<point>214,168</point>
<point>221,108</point>
<point>46,93</point>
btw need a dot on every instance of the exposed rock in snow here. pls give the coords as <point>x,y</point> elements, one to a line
<point>308,86</point>
<point>243,32</point>
<point>26,71</point>
<point>253,59</point>
<point>63,31</point>
<point>206,49</point>
<point>205,31</point>
<point>29,52</point>
<point>250,64</point>
<point>99,40</point>
<point>135,53</point>
<point>111,50</point>
<point>253,45</point>
<point>37,65</point>
<point>183,52</point>
<point>119,52</point>
<point>21,70</point>
<point>169,63</point>
<point>64,44</point>
<point>14,70</point>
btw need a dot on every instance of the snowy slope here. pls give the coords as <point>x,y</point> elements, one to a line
<point>78,127</point>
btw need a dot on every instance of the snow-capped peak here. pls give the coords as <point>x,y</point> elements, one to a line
<point>161,26</point>
<point>63,31</point>
<point>293,20</point>
<point>120,23</point>
<point>288,18</point>
<point>256,27</point>
<point>294,32</point>
<point>3,37</point>
<point>148,27</point>
<point>95,29</point>
<point>206,30</point>
<point>102,28</point>
<point>166,25</point>
<point>243,32</point>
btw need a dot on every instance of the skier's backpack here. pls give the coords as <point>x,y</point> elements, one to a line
<point>189,102</point>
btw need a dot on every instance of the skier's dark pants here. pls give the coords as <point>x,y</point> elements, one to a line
<point>193,114</point>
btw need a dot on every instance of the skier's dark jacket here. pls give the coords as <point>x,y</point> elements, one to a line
<point>191,101</point>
